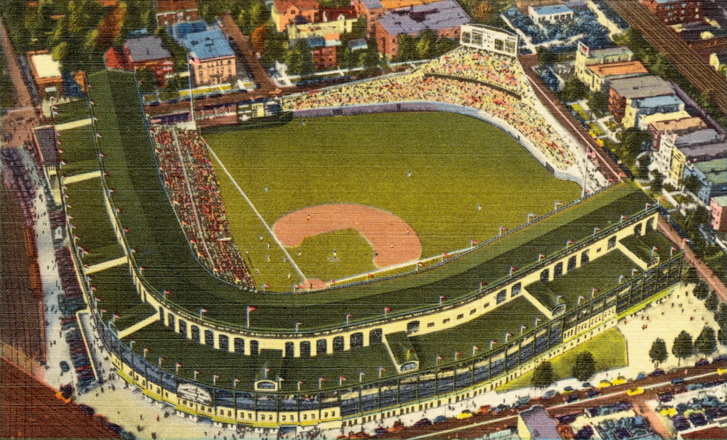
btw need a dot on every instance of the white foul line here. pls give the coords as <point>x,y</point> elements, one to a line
<point>270,231</point>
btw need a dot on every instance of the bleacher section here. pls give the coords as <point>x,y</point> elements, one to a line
<point>191,183</point>
<point>492,83</point>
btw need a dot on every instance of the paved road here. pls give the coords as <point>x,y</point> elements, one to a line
<point>480,425</point>
<point>22,95</point>
<point>710,82</point>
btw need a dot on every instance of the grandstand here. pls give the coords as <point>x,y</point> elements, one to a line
<point>237,355</point>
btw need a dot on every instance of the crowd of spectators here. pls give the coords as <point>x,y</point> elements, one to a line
<point>190,182</point>
<point>19,180</point>
<point>465,77</point>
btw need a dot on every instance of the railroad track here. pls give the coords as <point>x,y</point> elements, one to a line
<point>711,83</point>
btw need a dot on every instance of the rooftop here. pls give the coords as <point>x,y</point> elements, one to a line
<point>710,432</point>
<point>721,200</point>
<point>372,4</point>
<point>641,87</point>
<point>613,69</point>
<point>699,137</point>
<point>658,117</point>
<point>680,125</point>
<point>146,49</point>
<point>175,5</point>
<point>539,423</point>
<point>46,136</point>
<point>45,65</point>
<point>208,45</point>
<point>711,151</point>
<point>609,51</point>
<point>435,16</point>
<point>656,101</point>
<point>181,30</point>
<point>303,5</point>
<point>714,170</point>
<point>551,10</point>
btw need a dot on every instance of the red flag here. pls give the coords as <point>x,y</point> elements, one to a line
<point>387,309</point>
<point>251,308</point>
<point>503,229</point>
<point>458,352</point>
<point>266,285</point>
<point>475,242</point>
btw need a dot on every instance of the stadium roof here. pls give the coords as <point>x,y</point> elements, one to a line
<point>613,69</point>
<point>436,16</point>
<point>551,9</point>
<point>208,45</point>
<point>641,87</point>
<point>146,48</point>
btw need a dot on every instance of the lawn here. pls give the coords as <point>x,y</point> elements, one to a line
<point>581,112</point>
<point>608,349</point>
<point>456,163</point>
<point>596,129</point>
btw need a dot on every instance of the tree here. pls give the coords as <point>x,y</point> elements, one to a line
<point>658,183</point>
<point>701,291</point>
<point>692,184</point>
<point>683,347</point>
<point>706,343</point>
<point>574,90</point>
<point>258,37</point>
<point>146,79</point>
<point>543,375</point>
<point>658,352</point>
<point>427,44</point>
<point>547,56</point>
<point>642,166</point>
<point>584,366</point>
<point>690,276</point>
<point>598,102</point>
<point>712,302</point>
<point>407,48</point>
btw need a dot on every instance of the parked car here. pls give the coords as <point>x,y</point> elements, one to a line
<point>87,409</point>
<point>567,390</point>
<point>701,363</point>
<point>665,397</point>
<point>439,419</point>
<point>604,384</point>
<point>668,412</point>
<point>466,414</point>
<point>634,391</point>
<point>64,366</point>
<point>720,358</point>
<point>571,398</point>
<point>641,376</point>
<point>549,394</point>
<point>423,422</point>
<point>586,385</point>
<point>656,373</point>
<point>698,419</point>
<point>677,381</point>
<point>592,393</point>
<point>484,409</point>
<point>619,380</point>
<point>695,386</point>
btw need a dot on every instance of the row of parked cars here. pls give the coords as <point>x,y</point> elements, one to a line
<point>79,357</point>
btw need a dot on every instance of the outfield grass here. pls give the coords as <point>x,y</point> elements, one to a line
<point>456,164</point>
<point>608,349</point>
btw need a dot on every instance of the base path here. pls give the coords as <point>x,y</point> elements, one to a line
<point>393,240</point>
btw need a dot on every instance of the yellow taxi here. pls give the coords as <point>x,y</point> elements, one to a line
<point>619,380</point>
<point>603,384</point>
<point>466,414</point>
<point>721,371</point>
<point>634,391</point>
<point>668,412</point>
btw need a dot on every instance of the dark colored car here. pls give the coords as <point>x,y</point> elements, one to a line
<point>87,409</point>
<point>665,397</point>
<point>695,386</point>
<point>701,363</point>
<point>586,385</point>
<point>677,381</point>
<point>550,393</point>
<point>592,393</point>
<point>114,428</point>
<point>440,419</point>
<point>680,423</point>
<point>641,376</point>
<point>698,419</point>
<point>423,422</point>
<point>65,367</point>
<point>721,358</point>
<point>656,373</point>
<point>571,398</point>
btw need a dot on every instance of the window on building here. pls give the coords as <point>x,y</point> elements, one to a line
<point>412,327</point>
<point>637,229</point>
<point>209,338</point>
<point>305,349</point>
<point>501,296</point>
<point>338,344</point>
<point>183,327</point>
<point>584,258</point>
<point>170,320</point>
<point>545,276</point>
<point>612,242</point>
<point>195,333</point>
<point>375,336</point>
<point>558,270</point>
<point>289,349</point>
<point>224,342</point>
<point>254,348</point>
<point>239,345</point>
<point>572,263</point>
<point>516,289</point>
<point>321,347</point>
<point>356,340</point>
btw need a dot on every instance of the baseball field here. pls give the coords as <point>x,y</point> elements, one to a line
<point>353,194</point>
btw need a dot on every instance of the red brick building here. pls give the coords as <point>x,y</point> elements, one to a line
<point>675,11</point>
<point>171,12</point>
<point>137,53</point>
<point>285,12</point>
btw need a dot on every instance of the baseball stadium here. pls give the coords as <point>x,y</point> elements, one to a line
<point>404,242</point>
